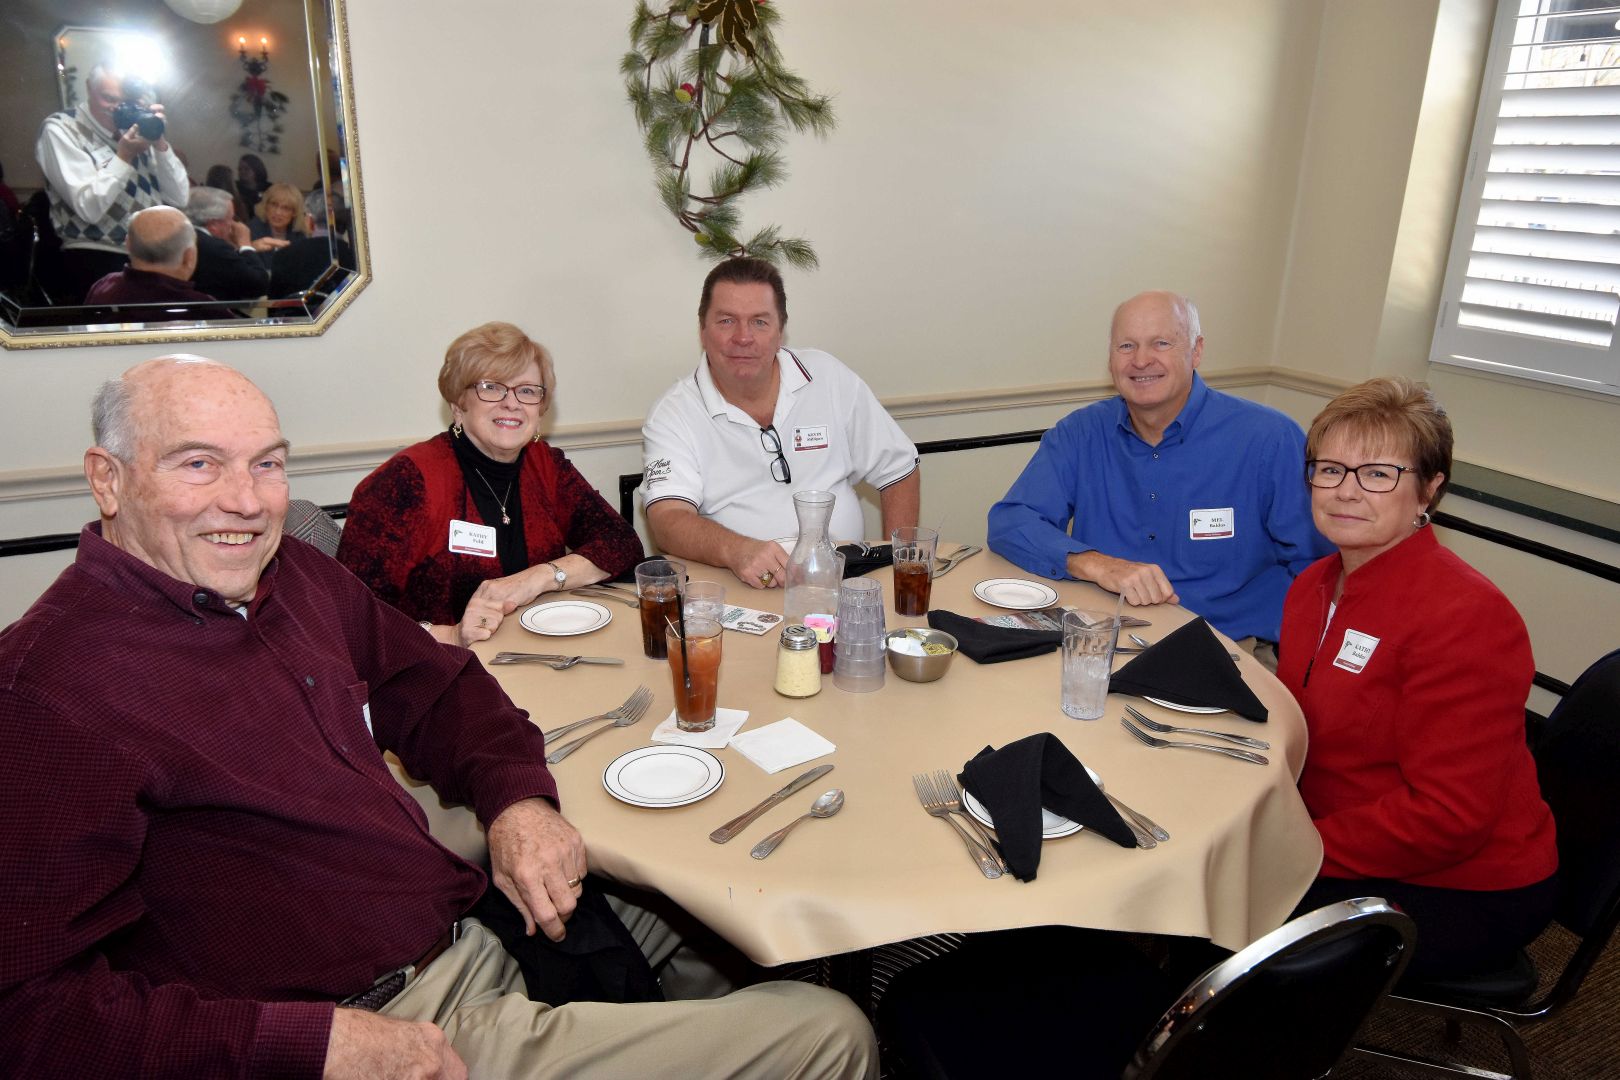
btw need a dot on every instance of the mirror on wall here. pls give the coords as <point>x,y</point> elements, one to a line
<point>256,102</point>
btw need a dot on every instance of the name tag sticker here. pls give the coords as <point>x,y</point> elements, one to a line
<point>1356,651</point>
<point>1218,524</point>
<point>469,539</point>
<point>365,714</point>
<point>813,437</point>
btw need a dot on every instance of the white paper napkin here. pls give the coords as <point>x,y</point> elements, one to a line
<point>726,723</point>
<point>781,745</point>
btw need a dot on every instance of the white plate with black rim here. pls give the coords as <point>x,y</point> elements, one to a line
<point>659,777</point>
<point>1053,825</point>
<point>565,618</point>
<point>1015,594</point>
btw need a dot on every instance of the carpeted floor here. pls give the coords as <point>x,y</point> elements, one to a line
<point>1580,1043</point>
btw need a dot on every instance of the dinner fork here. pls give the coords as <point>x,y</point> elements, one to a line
<point>629,716</point>
<point>935,806</point>
<point>1171,729</point>
<point>597,592</point>
<point>951,795</point>
<point>612,714</point>
<point>1161,744</point>
<point>949,562</point>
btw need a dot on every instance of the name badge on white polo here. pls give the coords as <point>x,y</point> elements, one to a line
<point>1220,524</point>
<point>469,539</point>
<point>812,437</point>
<point>1356,651</point>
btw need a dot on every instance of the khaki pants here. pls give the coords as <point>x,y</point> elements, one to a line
<point>770,1031</point>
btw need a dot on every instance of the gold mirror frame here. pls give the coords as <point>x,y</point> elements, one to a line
<point>328,67</point>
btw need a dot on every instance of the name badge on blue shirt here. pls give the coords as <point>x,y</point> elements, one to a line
<point>1219,524</point>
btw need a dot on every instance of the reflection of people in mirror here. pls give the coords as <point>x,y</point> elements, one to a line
<point>228,263</point>
<point>162,258</point>
<point>300,265</point>
<point>100,170</point>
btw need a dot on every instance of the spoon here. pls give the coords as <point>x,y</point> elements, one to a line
<point>826,806</point>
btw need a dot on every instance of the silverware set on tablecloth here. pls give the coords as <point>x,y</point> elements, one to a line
<point>610,590</point>
<point>944,564</point>
<point>633,709</point>
<point>553,661</point>
<point>1179,744</point>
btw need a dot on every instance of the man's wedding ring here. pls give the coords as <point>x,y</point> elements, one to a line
<point>573,882</point>
<point>766,578</point>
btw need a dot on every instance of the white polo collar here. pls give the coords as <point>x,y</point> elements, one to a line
<point>793,377</point>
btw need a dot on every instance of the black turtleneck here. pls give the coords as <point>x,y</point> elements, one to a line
<point>492,483</point>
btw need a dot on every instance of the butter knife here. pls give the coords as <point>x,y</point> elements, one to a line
<point>743,820</point>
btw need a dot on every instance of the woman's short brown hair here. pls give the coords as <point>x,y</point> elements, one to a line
<point>495,350</point>
<point>1394,412</point>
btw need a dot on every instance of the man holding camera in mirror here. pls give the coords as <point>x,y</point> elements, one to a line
<point>104,160</point>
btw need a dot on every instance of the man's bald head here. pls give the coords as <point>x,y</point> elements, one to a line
<point>162,240</point>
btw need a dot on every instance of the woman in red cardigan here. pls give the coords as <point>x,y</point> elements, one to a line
<point>465,528</point>
<point>1412,670</point>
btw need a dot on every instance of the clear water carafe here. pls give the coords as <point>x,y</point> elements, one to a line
<point>815,570</point>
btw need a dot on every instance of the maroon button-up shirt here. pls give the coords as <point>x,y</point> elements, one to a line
<point>201,847</point>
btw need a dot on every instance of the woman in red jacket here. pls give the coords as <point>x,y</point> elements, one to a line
<point>461,530</point>
<point>1412,670</point>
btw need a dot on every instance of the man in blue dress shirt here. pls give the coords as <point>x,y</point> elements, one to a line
<point>1176,492</point>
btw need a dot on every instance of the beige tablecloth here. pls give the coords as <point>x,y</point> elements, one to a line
<point>1243,848</point>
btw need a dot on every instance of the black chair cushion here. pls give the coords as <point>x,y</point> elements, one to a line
<point>1504,988</point>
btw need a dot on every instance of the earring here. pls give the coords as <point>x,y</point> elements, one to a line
<point>535,437</point>
<point>1421,520</point>
<point>455,429</point>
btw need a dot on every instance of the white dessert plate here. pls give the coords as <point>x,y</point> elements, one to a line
<point>565,618</point>
<point>1015,594</point>
<point>1206,710</point>
<point>663,776</point>
<point>1052,825</point>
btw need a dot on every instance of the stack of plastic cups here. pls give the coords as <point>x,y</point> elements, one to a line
<point>858,648</point>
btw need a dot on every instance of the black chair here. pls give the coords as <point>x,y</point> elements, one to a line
<point>1071,1003</point>
<point>1577,753</point>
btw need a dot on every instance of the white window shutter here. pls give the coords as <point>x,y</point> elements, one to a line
<point>1533,283</point>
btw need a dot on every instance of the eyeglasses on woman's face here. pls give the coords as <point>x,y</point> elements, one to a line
<point>492,391</point>
<point>1375,477</point>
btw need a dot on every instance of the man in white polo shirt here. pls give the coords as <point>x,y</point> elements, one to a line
<point>727,446</point>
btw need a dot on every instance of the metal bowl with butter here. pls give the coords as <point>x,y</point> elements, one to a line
<point>919,654</point>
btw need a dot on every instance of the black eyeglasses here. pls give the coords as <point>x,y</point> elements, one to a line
<point>1374,477</point>
<point>490,390</point>
<point>773,445</point>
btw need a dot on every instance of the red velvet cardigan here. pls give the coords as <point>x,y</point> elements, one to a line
<point>396,537</point>
<point>1417,769</point>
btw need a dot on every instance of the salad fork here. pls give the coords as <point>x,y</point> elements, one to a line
<point>935,807</point>
<point>1171,729</point>
<point>612,714</point>
<point>951,795</point>
<point>625,718</point>
<point>1163,744</point>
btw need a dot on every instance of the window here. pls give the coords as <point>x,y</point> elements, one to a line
<point>1533,284</point>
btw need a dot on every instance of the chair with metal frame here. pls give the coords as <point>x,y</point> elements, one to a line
<point>1286,1007</point>
<point>1577,752</point>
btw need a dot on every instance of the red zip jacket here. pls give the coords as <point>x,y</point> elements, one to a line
<point>1414,699</point>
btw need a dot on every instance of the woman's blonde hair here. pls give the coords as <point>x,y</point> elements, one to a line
<point>1395,412</point>
<point>495,350</point>
<point>287,195</point>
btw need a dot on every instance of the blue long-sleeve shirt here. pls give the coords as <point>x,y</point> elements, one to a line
<point>1221,504</point>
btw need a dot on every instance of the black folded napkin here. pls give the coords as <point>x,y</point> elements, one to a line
<point>1014,783</point>
<point>864,558</point>
<point>984,644</point>
<point>1189,667</point>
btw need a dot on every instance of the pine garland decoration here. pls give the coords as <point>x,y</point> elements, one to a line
<point>705,79</point>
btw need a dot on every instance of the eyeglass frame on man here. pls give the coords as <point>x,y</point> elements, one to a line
<point>516,391</point>
<point>1399,470</point>
<point>781,458</point>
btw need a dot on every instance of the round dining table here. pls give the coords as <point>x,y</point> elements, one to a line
<point>1241,854</point>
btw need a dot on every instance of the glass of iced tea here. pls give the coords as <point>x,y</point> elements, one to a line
<point>694,665</point>
<point>913,569</point>
<point>660,584</point>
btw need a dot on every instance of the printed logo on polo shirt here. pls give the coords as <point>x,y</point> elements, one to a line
<point>1356,652</point>
<point>810,437</point>
<point>657,471</point>
<point>1218,524</point>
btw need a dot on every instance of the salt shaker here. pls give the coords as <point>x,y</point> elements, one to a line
<point>798,663</point>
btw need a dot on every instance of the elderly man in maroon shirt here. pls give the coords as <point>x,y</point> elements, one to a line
<point>202,851</point>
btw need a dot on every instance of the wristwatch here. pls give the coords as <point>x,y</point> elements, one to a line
<point>558,575</point>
